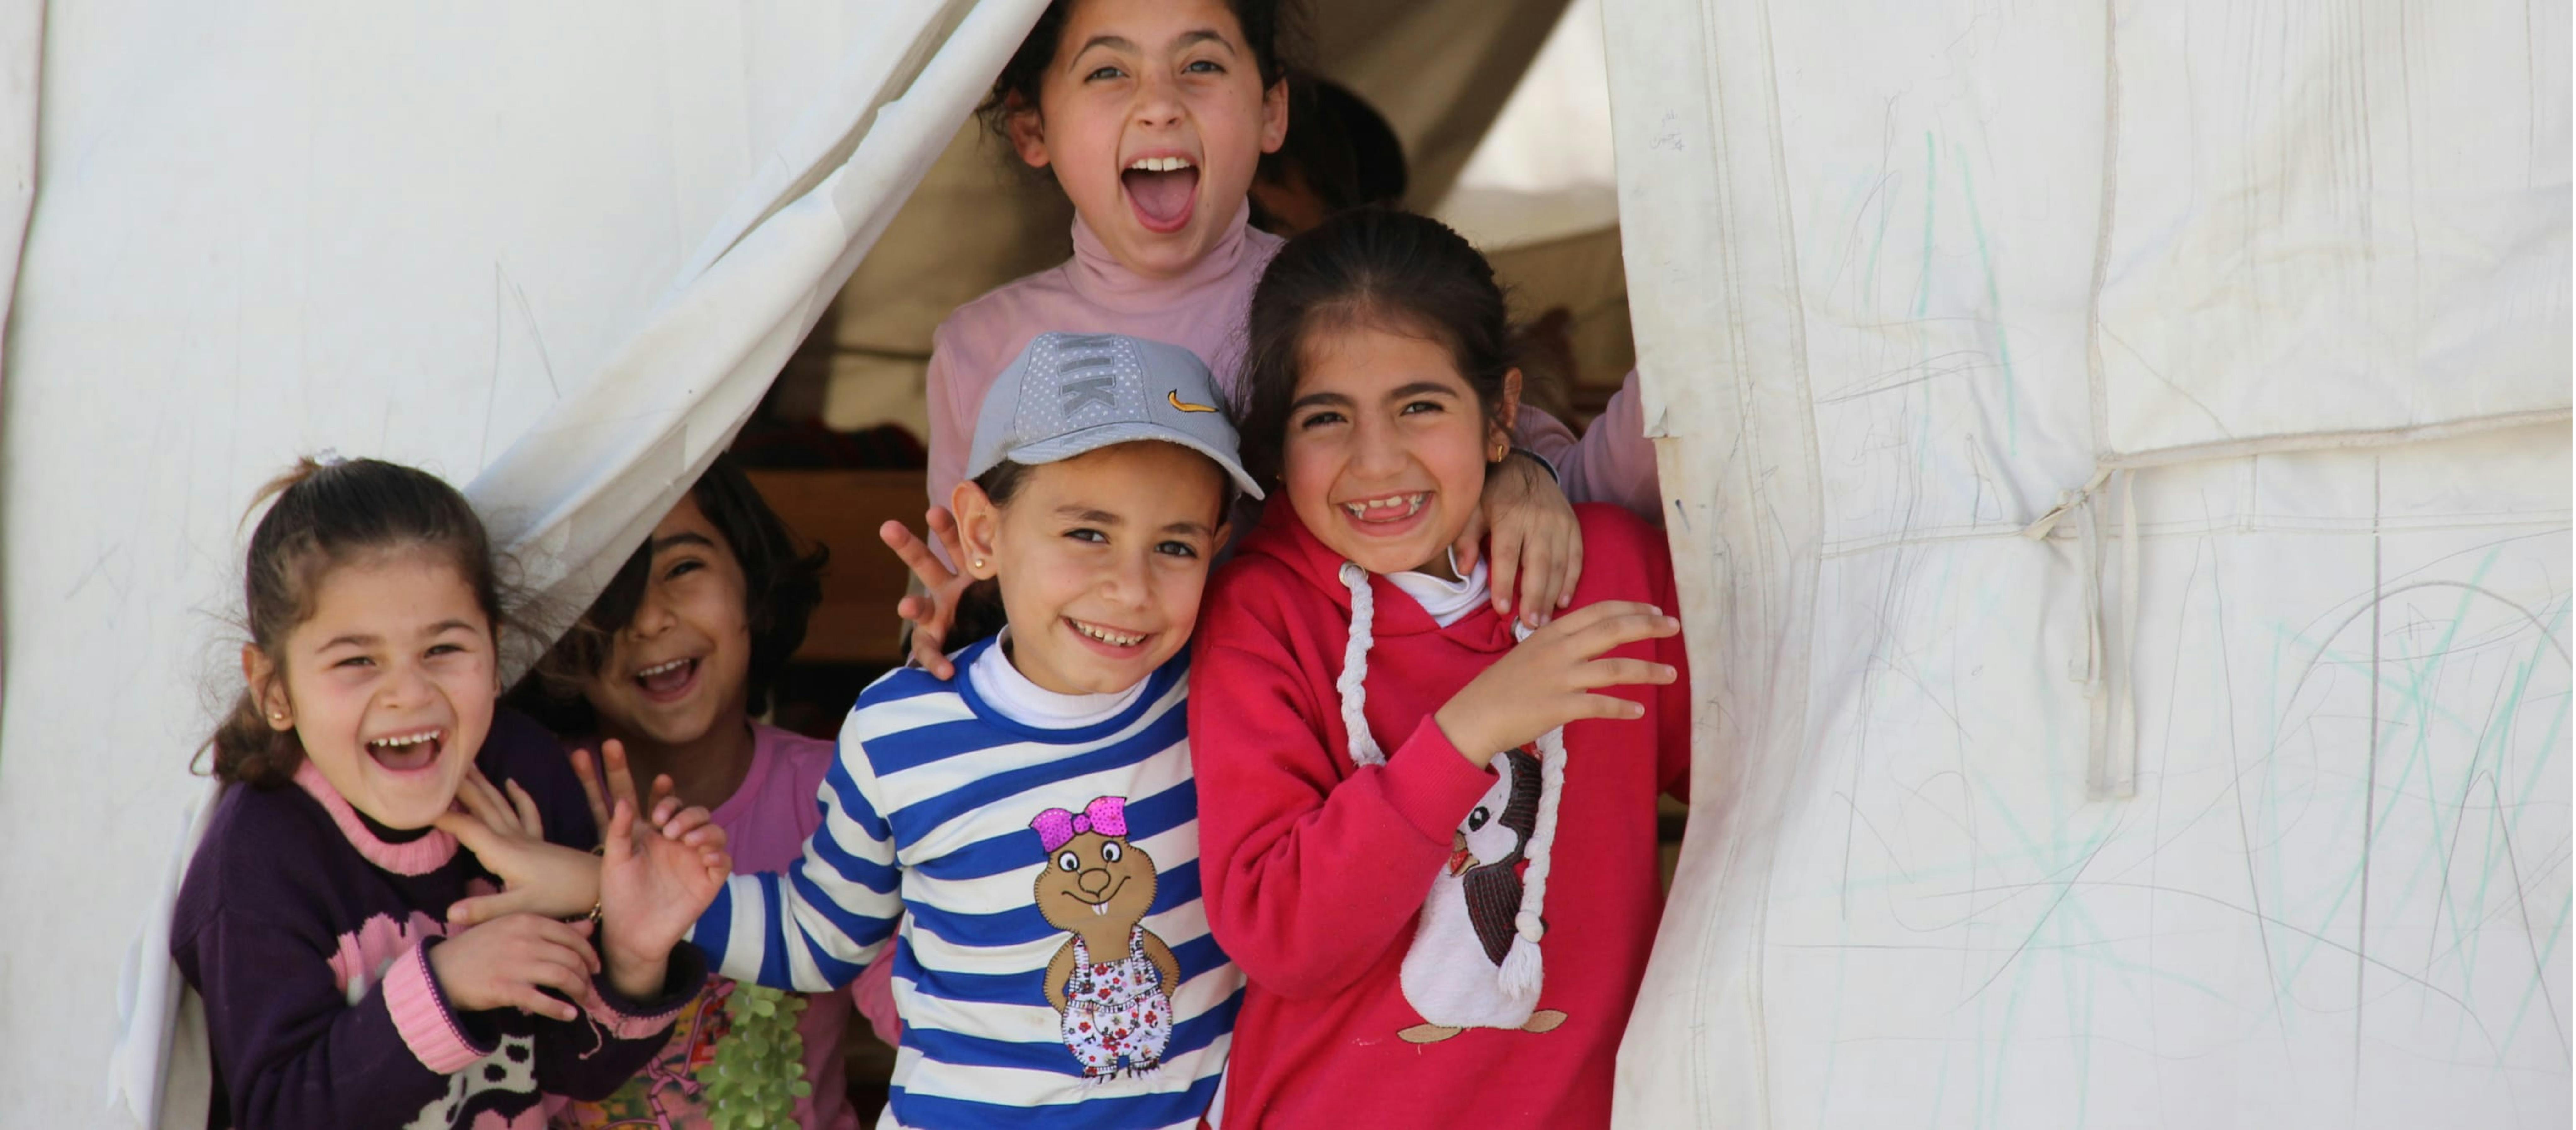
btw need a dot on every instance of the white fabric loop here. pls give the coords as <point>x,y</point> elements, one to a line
<point>2112,769</point>
<point>1523,970</point>
<point>1350,687</point>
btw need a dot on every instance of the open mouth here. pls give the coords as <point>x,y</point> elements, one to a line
<point>405,753</point>
<point>1387,508</point>
<point>1111,640</point>
<point>667,682</point>
<point>1164,191</point>
<point>1386,515</point>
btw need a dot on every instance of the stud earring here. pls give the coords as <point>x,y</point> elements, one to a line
<point>979,562</point>
<point>274,716</point>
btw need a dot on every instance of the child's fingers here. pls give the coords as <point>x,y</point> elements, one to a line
<point>663,790</point>
<point>532,975</point>
<point>691,824</point>
<point>916,554</point>
<point>469,830</point>
<point>1539,565</point>
<point>895,535</point>
<point>618,840</point>
<point>1607,706</point>
<point>1506,564</point>
<point>680,822</point>
<point>561,967</point>
<point>1581,619</point>
<point>1569,573</point>
<point>527,997</point>
<point>587,770</point>
<point>621,781</point>
<point>572,937</point>
<point>480,799</point>
<point>1464,550</point>
<point>530,820</point>
<point>485,908</point>
<point>926,653</point>
<point>1623,673</point>
<point>1622,629</point>
<point>664,810</point>
<point>943,525</point>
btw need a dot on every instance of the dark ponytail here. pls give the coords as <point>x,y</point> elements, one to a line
<point>323,515</point>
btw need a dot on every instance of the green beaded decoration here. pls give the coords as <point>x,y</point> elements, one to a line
<point>759,1068</point>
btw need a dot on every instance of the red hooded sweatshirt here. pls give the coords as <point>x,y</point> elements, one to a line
<point>1317,871</point>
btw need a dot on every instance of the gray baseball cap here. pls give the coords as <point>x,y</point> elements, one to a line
<point>1072,393</point>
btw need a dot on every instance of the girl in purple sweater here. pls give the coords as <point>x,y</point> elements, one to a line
<point>314,916</point>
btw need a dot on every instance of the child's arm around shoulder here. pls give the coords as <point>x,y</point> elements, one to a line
<point>1613,462</point>
<point>1310,870</point>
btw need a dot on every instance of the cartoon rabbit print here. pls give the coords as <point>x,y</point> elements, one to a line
<point>1113,979</point>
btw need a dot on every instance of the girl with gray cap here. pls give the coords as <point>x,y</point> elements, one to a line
<point>1021,840</point>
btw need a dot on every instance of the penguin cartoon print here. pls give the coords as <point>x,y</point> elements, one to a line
<point>1112,981</point>
<point>1467,925</point>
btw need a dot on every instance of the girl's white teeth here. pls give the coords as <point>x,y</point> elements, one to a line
<point>1160,164</point>
<point>1104,635</point>
<point>404,739</point>
<point>658,668</point>
<point>1412,504</point>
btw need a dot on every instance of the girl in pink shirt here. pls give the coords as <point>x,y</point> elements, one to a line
<point>1153,115</point>
<point>671,663</point>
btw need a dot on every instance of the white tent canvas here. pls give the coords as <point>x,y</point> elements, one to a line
<point>2267,823</point>
<point>2119,475</point>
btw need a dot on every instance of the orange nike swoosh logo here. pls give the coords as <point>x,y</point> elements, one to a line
<point>1186,406</point>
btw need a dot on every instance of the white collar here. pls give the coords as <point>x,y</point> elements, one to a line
<point>1447,601</point>
<point>1001,685</point>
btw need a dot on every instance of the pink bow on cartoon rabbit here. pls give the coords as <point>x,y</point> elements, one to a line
<point>1106,815</point>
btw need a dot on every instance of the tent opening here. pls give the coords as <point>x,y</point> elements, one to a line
<point>1505,135</point>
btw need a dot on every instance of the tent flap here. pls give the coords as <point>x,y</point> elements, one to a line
<point>419,237</point>
<point>2331,219</point>
<point>2235,795</point>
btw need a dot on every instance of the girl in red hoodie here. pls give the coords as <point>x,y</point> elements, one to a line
<point>1428,836</point>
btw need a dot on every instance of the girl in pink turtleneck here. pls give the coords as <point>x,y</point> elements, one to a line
<point>1154,115</point>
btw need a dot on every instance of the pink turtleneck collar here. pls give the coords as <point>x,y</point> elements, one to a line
<point>1098,277</point>
<point>417,857</point>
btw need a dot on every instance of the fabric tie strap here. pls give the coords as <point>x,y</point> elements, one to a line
<point>1106,815</point>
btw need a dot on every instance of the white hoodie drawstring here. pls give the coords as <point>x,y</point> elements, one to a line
<point>1522,971</point>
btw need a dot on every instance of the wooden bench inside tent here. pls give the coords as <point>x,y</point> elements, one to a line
<point>841,509</point>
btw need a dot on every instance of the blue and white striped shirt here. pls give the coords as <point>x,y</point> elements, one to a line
<point>931,809</point>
